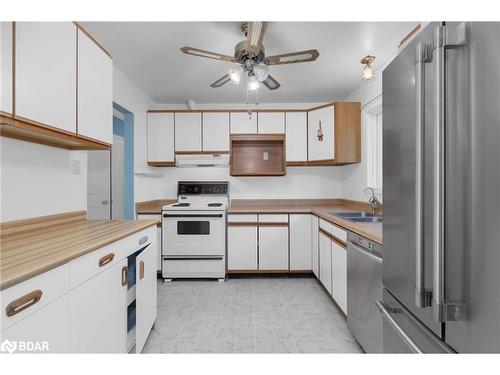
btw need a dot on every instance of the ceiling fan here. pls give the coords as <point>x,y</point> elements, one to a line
<point>250,54</point>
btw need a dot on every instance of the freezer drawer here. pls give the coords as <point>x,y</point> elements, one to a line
<point>403,333</point>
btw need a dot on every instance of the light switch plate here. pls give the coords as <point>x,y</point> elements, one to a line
<point>265,155</point>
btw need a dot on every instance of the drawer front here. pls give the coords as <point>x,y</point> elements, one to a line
<point>215,267</point>
<point>242,218</point>
<point>89,265</point>
<point>22,300</point>
<point>273,218</point>
<point>335,231</point>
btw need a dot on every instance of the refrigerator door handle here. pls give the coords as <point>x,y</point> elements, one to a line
<point>423,56</point>
<point>386,313</point>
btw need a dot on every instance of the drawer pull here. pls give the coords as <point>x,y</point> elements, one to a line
<point>143,240</point>
<point>124,275</point>
<point>23,302</point>
<point>106,259</point>
<point>141,269</point>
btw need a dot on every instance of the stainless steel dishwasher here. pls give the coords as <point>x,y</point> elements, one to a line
<point>364,287</point>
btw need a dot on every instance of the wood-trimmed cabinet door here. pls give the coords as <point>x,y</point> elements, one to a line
<point>300,242</point>
<point>296,136</point>
<point>339,275</point>
<point>271,122</point>
<point>325,261</point>
<point>321,150</point>
<point>160,134</point>
<point>216,131</point>
<point>188,132</point>
<point>146,294</point>
<point>242,248</point>
<point>241,123</point>
<point>95,91</point>
<point>273,248</point>
<point>98,313</point>
<point>6,72</point>
<point>45,73</point>
<point>315,245</point>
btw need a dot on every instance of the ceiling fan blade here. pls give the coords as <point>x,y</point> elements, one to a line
<point>221,81</point>
<point>206,54</point>
<point>255,35</point>
<point>271,83</point>
<point>292,58</point>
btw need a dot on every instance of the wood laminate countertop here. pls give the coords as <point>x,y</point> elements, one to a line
<point>322,208</point>
<point>33,246</point>
<point>152,207</point>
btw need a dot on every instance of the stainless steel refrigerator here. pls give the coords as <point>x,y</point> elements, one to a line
<point>441,132</point>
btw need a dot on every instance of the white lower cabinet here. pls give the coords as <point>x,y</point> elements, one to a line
<point>146,295</point>
<point>339,276</point>
<point>315,245</point>
<point>273,247</point>
<point>44,331</point>
<point>98,312</point>
<point>300,242</point>
<point>242,247</point>
<point>325,261</point>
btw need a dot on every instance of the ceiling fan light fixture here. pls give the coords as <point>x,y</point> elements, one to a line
<point>252,84</point>
<point>261,72</point>
<point>368,70</point>
<point>235,75</point>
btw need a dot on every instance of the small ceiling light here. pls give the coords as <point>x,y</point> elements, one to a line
<point>252,84</point>
<point>368,70</point>
<point>234,75</point>
<point>261,72</point>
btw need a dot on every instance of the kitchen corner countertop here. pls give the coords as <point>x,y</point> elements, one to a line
<point>322,208</point>
<point>33,246</point>
<point>152,207</point>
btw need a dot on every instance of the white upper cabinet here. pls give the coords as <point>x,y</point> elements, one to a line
<point>216,131</point>
<point>45,73</point>
<point>95,91</point>
<point>161,137</point>
<point>6,67</point>
<point>296,136</point>
<point>188,132</point>
<point>321,149</point>
<point>241,123</point>
<point>271,122</point>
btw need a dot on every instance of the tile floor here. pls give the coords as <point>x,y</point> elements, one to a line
<point>248,315</point>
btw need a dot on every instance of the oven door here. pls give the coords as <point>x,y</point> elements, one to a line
<point>193,233</point>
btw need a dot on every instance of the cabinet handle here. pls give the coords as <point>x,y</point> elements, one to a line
<point>106,259</point>
<point>141,269</point>
<point>143,240</point>
<point>23,302</point>
<point>320,132</point>
<point>124,275</point>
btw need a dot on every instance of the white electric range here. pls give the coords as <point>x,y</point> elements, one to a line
<point>194,231</point>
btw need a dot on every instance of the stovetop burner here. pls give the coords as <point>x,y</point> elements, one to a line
<point>181,205</point>
<point>214,204</point>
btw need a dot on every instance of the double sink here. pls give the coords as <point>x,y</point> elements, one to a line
<point>359,217</point>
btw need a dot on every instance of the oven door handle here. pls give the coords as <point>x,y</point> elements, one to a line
<point>193,215</point>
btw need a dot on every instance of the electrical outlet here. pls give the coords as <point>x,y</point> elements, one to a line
<point>265,155</point>
<point>76,166</point>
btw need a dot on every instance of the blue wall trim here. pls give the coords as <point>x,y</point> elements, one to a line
<point>127,132</point>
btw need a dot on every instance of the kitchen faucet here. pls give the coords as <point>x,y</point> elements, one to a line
<point>373,200</point>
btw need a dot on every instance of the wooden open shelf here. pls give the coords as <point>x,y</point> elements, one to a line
<point>27,130</point>
<point>247,155</point>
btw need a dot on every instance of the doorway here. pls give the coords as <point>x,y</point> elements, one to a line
<point>110,182</point>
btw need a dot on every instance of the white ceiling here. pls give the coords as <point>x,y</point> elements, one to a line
<point>148,53</point>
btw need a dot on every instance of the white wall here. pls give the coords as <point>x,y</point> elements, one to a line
<point>38,180</point>
<point>355,176</point>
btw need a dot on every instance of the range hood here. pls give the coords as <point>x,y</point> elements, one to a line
<point>202,160</point>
